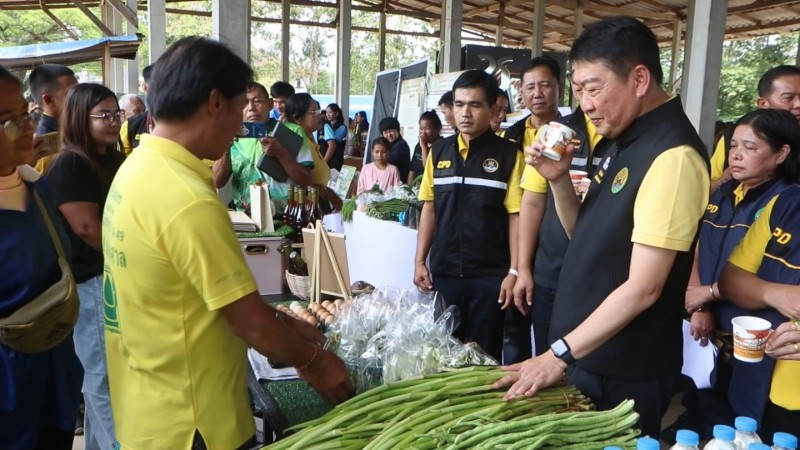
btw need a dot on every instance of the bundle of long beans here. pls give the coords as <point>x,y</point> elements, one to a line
<point>459,409</point>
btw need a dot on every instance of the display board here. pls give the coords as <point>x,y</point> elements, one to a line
<point>439,84</point>
<point>410,105</point>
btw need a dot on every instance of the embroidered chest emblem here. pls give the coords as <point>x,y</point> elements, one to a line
<point>619,180</point>
<point>490,165</point>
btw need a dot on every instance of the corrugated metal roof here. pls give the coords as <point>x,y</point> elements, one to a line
<point>746,18</point>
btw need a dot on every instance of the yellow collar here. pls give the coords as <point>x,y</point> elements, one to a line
<point>173,150</point>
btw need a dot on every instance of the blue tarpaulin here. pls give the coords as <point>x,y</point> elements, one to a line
<point>70,52</point>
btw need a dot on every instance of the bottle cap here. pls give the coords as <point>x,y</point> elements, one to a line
<point>744,423</point>
<point>612,448</point>
<point>724,432</point>
<point>757,446</point>
<point>647,443</point>
<point>785,440</point>
<point>687,437</point>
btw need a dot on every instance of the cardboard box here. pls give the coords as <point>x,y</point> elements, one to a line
<point>261,255</point>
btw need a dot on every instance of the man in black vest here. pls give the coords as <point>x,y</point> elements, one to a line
<point>616,324</point>
<point>469,221</point>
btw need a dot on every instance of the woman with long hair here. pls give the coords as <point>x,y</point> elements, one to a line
<point>39,390</point>
<point>334,136</point>
<point>81,177</point>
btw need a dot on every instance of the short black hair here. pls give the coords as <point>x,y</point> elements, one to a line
<point>256,85</point>
<point>431,117</point>
<point>146,72</point>
<point>281,89</point>
<point>620,43</point>
<point>478,79</point>
<point>543,61</point>
<point>45,77</point>
<point>185,75</point>
<point>502,93</point>
<point>769,77</point>
<point>446,99</point>
<point>6,75</point>
<point>297,106</point>
<point>777,128</point>
<point>389,123</point>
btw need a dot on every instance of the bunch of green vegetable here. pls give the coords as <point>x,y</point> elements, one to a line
<point>348,207</point>
<point>387,209</point>
<point>459,409</point>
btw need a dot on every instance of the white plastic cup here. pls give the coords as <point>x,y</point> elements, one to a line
<point>750,338</point>
<point>555,137</point>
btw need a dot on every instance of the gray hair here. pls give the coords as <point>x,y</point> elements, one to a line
<point>126,100</point>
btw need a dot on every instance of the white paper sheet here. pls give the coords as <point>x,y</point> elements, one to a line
<point>698,362</point>
<point>264,371</point>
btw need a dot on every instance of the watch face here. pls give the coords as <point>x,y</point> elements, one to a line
<point>559,348</point>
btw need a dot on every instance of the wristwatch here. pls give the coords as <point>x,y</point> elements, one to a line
<point>562,351</point>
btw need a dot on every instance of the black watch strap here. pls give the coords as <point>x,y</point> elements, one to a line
<point>562,351</point>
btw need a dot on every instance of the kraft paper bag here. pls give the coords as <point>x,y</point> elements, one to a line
<point>261,207</point>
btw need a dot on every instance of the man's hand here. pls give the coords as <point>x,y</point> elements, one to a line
<point>422,277</point>
<point>783,343</point>
<point>272,147</point>
<point>550,169</point>
<point>523,291</point>
<point>506,297</point>
<point>696,297</point>
<point>327,375</point>
<point>702,326</point>
<point>530,376</point>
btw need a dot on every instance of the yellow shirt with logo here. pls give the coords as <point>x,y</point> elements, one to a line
<point>667,205</point>
<point>513,197</point>
<point>171,262</point>
<point>785,389</point>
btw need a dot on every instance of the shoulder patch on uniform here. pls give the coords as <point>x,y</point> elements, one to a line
<point>490,165</point>
<point>619,180</point>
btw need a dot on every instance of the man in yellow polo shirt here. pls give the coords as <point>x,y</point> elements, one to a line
<point>616,323</point>
<point>778,88</point>
<point>181,306</point>
<point>761,276</point>
<point>469,219</point>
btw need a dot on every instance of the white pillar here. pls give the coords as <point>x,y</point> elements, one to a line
<point>344,34</point>
<point>452,24</point>
<point>131,77</point>
<point>230,24</point>
<point>701,69</point>
<point>537,40</point>
<point>286,6</point>
<point>156,28</point>
<point>382,39</point>
<point>118,65</point>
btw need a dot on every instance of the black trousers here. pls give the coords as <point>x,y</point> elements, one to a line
<point>55,439</point>
<point>779,419</point>
<point>481,316</point>
<point>200,444</point>
<point>516,336</point>
<point>541,312</point>
<point>652,397</point>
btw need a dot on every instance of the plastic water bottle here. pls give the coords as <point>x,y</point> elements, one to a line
<point>757,446</point>
<point>723,438</point>
<point>745,432</point>
<point>784,441</point>
<point>686,440</point>
<point>647,443</point>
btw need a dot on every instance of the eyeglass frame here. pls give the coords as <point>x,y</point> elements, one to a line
<point>108,117</point>
<point>13,125</point>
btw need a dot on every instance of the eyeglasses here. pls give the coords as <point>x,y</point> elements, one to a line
<point>316,112</point>
<point>108,117</point>
<point>13,126</point>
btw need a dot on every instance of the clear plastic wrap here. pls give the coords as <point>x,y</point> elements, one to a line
<point>393,335</point>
